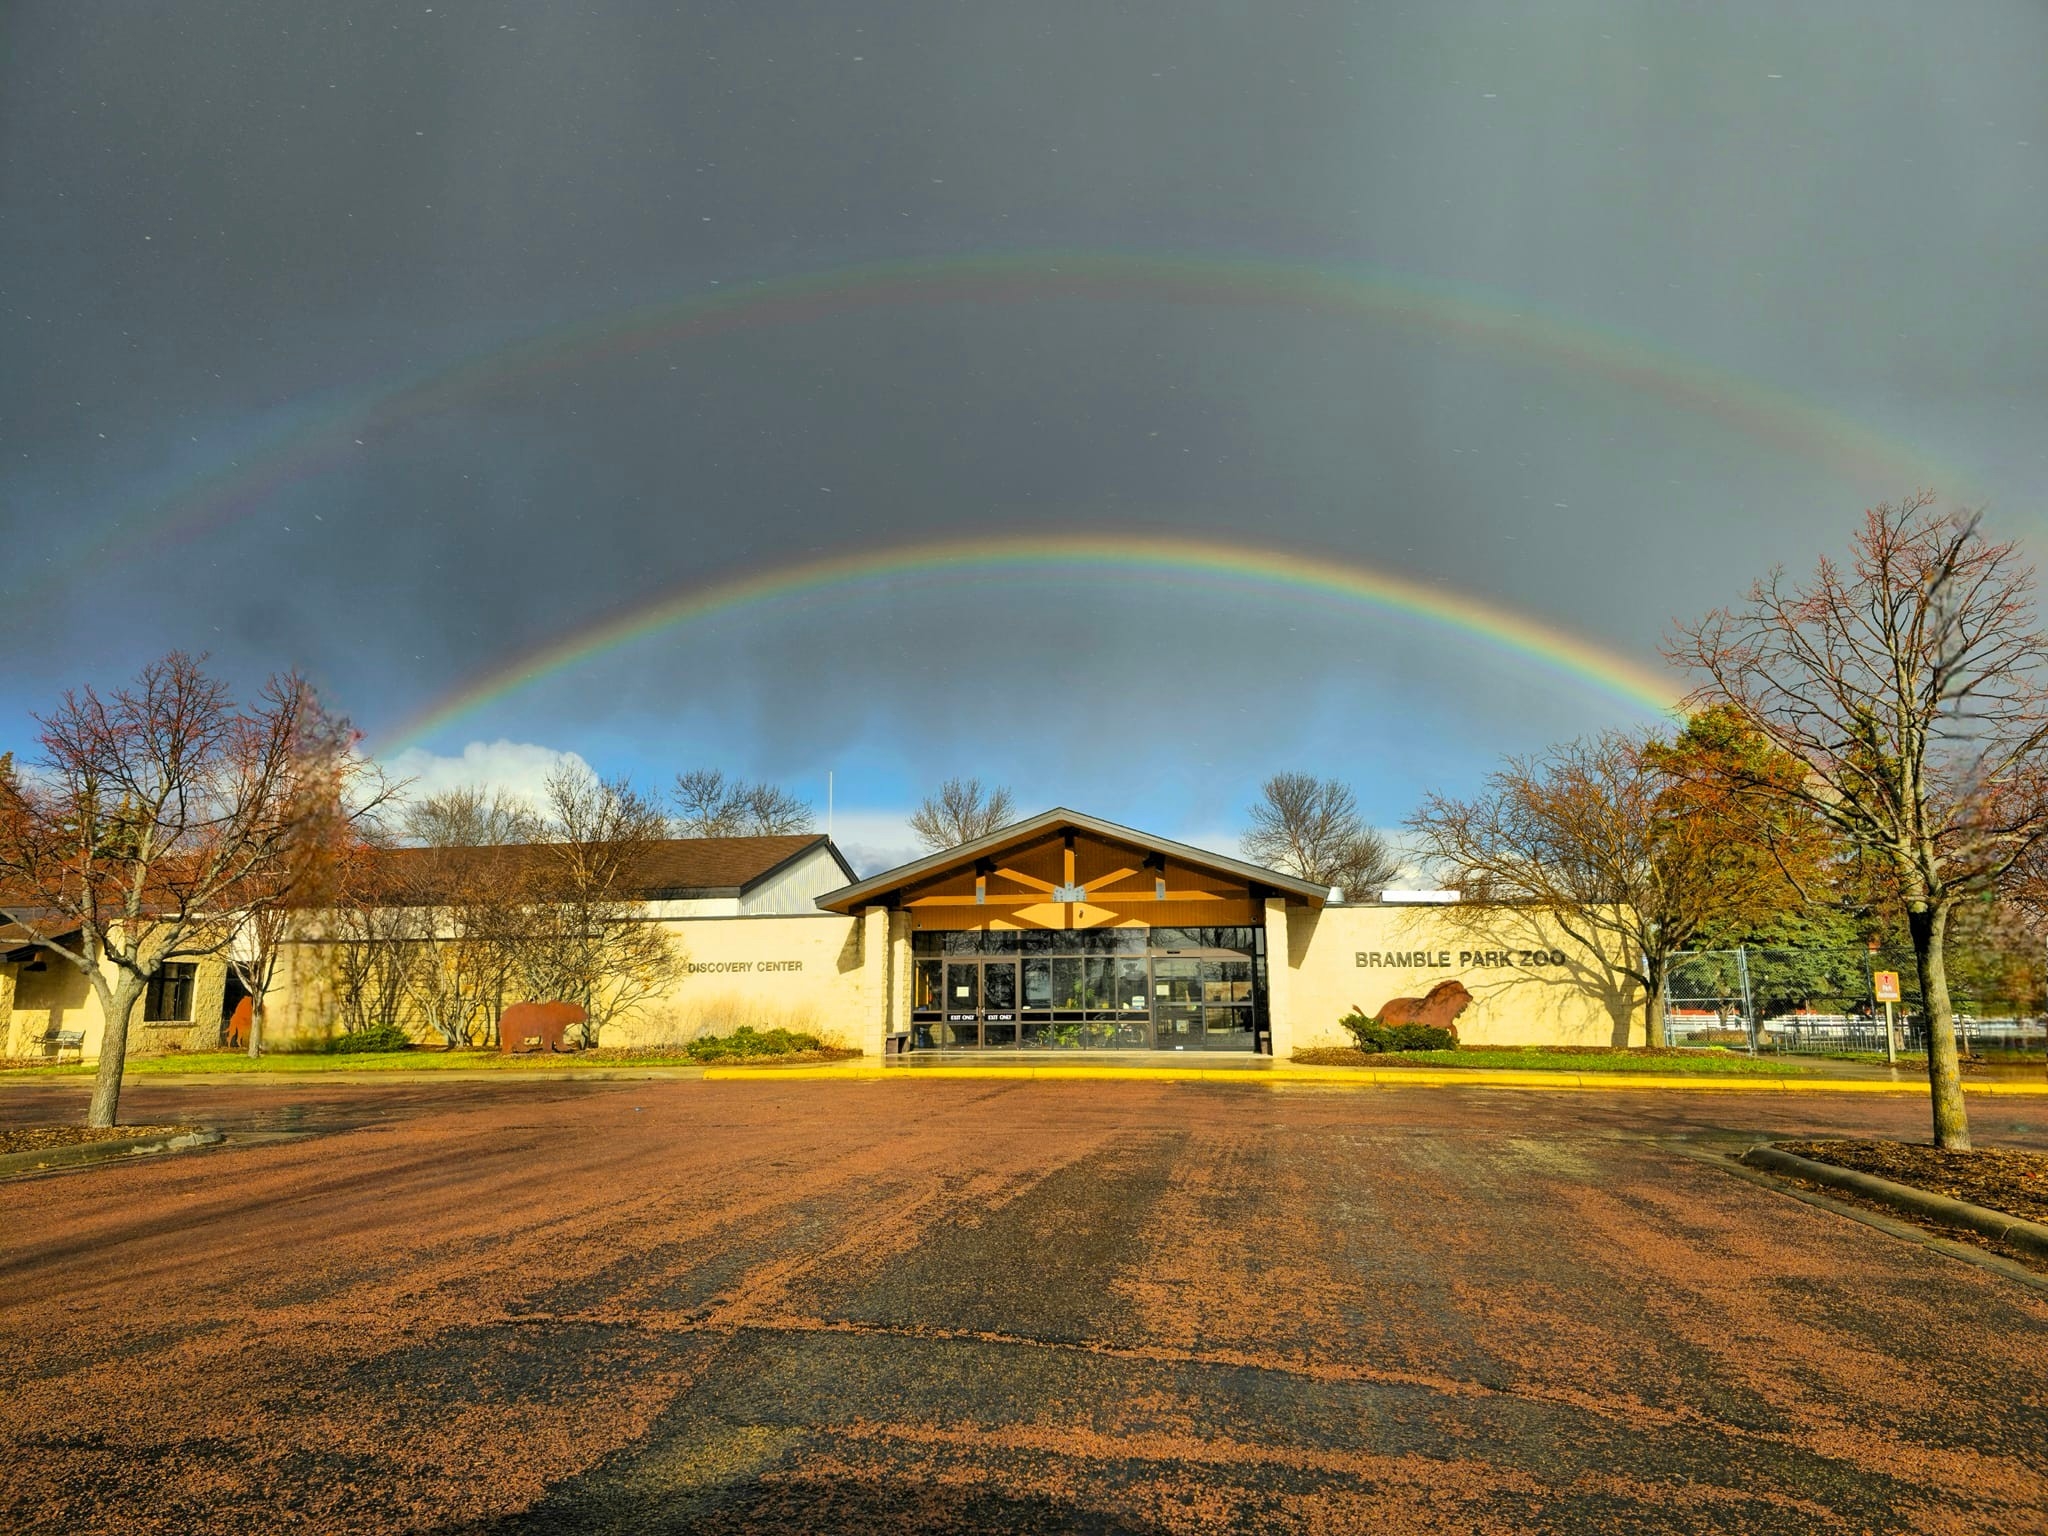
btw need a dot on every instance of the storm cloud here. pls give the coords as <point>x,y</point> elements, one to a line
<point>335,337</point>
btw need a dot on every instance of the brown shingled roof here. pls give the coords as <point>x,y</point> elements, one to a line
<point>671,869</point>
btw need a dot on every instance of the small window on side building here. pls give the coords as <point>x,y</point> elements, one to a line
<point>169,998</point>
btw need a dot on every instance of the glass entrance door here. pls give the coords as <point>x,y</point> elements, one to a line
<point>1202,1004</point>
<point>999,1002</point>
<point>963,1003</point>
<point>980,1004</point>
<point>1177,1005</point>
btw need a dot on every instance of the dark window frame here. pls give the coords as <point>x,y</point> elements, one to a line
<point>168,997</point>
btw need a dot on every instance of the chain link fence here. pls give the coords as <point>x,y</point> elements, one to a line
<point>1819,1002</point>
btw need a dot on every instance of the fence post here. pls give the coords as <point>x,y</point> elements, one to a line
<point>1748,1004</point>
<point>1663,998</point>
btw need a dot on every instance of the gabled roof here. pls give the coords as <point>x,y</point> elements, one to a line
<point>672,869</point>
<point>18,942</point>
<point>876,888</point>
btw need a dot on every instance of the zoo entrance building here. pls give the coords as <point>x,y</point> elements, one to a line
<point>1063,932</point>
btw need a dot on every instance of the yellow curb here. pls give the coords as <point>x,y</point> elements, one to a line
<point>1350,1077</point>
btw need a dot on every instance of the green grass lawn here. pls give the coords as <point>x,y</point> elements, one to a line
<point>185,1062</point>
<point>1673,1063</point>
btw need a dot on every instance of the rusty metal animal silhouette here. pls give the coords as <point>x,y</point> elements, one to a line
<point>1439,1009</point>
<point>538,1026</point>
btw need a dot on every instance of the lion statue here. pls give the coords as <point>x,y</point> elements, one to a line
<point>1440,1009</point>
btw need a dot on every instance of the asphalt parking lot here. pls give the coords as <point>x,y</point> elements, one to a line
<point>1124,1307</point>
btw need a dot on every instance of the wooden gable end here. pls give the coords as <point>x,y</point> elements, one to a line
<point>1078,881</point>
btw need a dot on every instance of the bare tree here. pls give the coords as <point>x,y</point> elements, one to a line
<point>153,813</point>
<point>1912,689</point>
<point>1311,827</point>
<point>372,943</point>
<point>712,805</point>
<point>469,892</point>
<point>339,795</point>
<point>592,943</point>
<point>959,812</point>
<point>1602,840</point>
<point>469,816</point>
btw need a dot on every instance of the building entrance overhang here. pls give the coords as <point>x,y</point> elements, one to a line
<point>1063,870</point>
<point>1069,933</point>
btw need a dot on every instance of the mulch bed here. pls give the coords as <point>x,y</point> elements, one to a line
<point>2013,1182</point>
<point>41,1138</point>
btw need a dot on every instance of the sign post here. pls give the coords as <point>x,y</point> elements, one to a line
<point>1885,986</point>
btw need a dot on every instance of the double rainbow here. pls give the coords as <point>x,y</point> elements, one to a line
<point>326,434</point>
<point>1245,566</point>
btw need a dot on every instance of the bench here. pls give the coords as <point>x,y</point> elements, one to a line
<point>68,1040</point>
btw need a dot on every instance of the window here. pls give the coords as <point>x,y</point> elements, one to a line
<point>169,998</point>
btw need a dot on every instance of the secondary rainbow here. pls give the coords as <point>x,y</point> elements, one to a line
<point>325,433</point>
<point>1241,565</point>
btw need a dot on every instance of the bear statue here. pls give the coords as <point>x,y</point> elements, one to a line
<point>538,1026</point>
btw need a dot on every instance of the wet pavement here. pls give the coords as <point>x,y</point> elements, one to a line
<point>919,1305</point>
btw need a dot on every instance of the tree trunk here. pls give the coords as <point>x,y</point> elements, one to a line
<point>1653,1003</point>
<point>255,1022</point>
<point>119,1005</point>
<point>1928,924</point>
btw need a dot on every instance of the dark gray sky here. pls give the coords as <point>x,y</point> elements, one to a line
<point>232,237</point>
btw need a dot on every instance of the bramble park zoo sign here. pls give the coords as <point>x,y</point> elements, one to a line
<point>1467,959</point>
<point>739,967</point>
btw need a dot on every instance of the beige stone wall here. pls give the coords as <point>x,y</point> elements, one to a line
<point>846,978</point>
<point>795,972</point>
<point>789,972</point>
<point>1530,984</point>
<point>57,999</point>
<point>49,1002</point>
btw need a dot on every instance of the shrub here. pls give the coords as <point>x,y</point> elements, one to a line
<point>749,1041</point>
<point>1372,1035</point>
<point>375,1037</point>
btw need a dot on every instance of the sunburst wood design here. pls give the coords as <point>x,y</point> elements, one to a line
<point>1117,890</point>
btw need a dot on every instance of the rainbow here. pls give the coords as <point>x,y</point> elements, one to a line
<point>1257,567</point>
<point>321,434</point>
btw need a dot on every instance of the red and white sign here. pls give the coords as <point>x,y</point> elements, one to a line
<point>1885,985</point>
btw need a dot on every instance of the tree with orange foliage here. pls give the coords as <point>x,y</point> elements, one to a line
<point>1628,859</point>
<point>1911,689</point>
<point>1778,853</point>
<point>153,822</point>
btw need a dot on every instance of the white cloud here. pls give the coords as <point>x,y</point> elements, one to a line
<point>519,768</point>
<point>875,840</point>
